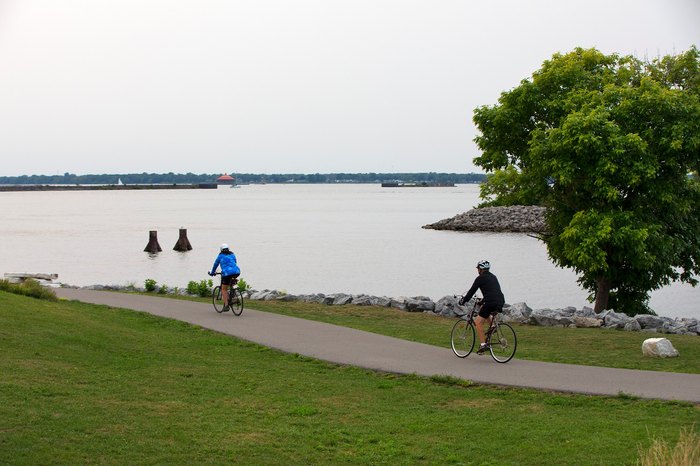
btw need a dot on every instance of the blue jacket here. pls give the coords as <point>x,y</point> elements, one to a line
<point>228,264</point>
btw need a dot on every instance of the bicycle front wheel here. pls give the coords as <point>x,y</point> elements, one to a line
<point>217,299</point>
<point>463,337</point>
<point>503,343</point>
<point>235,300</point>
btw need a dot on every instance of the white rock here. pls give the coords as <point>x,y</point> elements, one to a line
<point>658,348</point>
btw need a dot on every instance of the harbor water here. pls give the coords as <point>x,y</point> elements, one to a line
<point>349,238</point>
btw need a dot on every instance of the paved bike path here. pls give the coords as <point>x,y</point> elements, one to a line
<point>344,345</point>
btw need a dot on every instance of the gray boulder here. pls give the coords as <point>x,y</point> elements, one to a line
<point>398,303</point>
<point>381,301</point>
<point>553,318</point>
<point>362,300</point>
<point>586,312</point>
<point>448,306</point>
<point>287,297</point>
<point>263,295</point>
<point>341,299</point>
<point>317,298</point>
<point>650,322</point>
<point>612,319</point>
<point>632,326</point>
<point>677,327</point>
<point>690,324</point>
<point>519,313</point>
<point>420,304</point>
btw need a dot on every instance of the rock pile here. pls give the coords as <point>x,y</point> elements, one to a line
<point>519,219</point>
<point>448,306</point>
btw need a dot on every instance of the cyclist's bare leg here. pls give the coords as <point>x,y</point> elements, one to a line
<point>224,294</point>
<point>479,324</point>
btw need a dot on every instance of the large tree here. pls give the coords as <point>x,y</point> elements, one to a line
<point>611,146</point>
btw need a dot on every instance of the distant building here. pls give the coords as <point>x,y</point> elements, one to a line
<point>225,179</point>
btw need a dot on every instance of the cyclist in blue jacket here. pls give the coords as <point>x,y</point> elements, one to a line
<point>229,270</point>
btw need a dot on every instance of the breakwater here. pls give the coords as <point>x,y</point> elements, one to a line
<point>449,306</point>
<point>517,219</point>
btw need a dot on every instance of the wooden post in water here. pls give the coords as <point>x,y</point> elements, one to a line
<point>153,245</point>
<point>183,244</point>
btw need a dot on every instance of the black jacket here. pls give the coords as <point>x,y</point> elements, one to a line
<point>490,288</point>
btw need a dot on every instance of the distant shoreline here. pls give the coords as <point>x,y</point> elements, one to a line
<point>109,187</point>
<point>131,179</point>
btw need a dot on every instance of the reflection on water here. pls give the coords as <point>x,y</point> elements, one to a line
<point>296,238</point>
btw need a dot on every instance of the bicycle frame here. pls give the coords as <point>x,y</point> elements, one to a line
<point>502,347</point>
<point>233,295</point>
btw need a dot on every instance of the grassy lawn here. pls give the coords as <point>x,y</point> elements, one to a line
<point>87,384</point>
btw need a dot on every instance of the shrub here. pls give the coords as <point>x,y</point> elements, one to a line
<point>163,289</point>
<point>31,288</point>
<point>243,285</point>
<point>150,285</point>
<point>201,288</point>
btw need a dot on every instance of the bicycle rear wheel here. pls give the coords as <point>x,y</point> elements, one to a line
<point>463,337</point>
<point>503,343</point>
<point>217,299</point>
<point>235,300</point>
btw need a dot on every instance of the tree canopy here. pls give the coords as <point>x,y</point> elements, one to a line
<point>611,146</point>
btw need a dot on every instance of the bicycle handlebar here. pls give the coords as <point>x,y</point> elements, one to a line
<point>479,301</point>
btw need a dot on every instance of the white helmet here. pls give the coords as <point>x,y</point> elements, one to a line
<point>223,246</point>
<point>483,265</point>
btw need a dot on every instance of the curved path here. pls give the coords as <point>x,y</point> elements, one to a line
<point>344,345</point>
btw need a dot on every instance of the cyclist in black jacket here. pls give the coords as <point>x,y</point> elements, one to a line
<point>493,300</point>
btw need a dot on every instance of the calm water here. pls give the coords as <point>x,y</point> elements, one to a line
<point>296,238</point>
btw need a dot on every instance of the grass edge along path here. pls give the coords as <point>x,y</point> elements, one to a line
<point>92,384</point>
<point>583,346</point>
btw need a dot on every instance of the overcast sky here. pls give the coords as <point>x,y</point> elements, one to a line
<point>281,86</point>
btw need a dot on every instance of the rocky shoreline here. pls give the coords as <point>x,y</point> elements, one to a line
<point>515,219</point>
<point>448,306</point>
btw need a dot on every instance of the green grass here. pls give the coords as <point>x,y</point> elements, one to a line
<point>91,384</point>
<point>593,347</point>
<point>30,288</point>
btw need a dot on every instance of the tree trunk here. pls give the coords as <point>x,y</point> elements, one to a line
<point>602,294</point>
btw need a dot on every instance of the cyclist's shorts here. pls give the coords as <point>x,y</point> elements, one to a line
<point>226,279</point>
<point>487,309</point>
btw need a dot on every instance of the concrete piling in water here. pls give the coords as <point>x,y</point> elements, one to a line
<point>153,245</point>
<point>183,244</point>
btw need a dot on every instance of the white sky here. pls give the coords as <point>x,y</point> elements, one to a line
<point>281,86</point>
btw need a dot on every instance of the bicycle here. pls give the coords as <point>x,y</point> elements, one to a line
<point>500,337</point>
<point>235,297</point>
